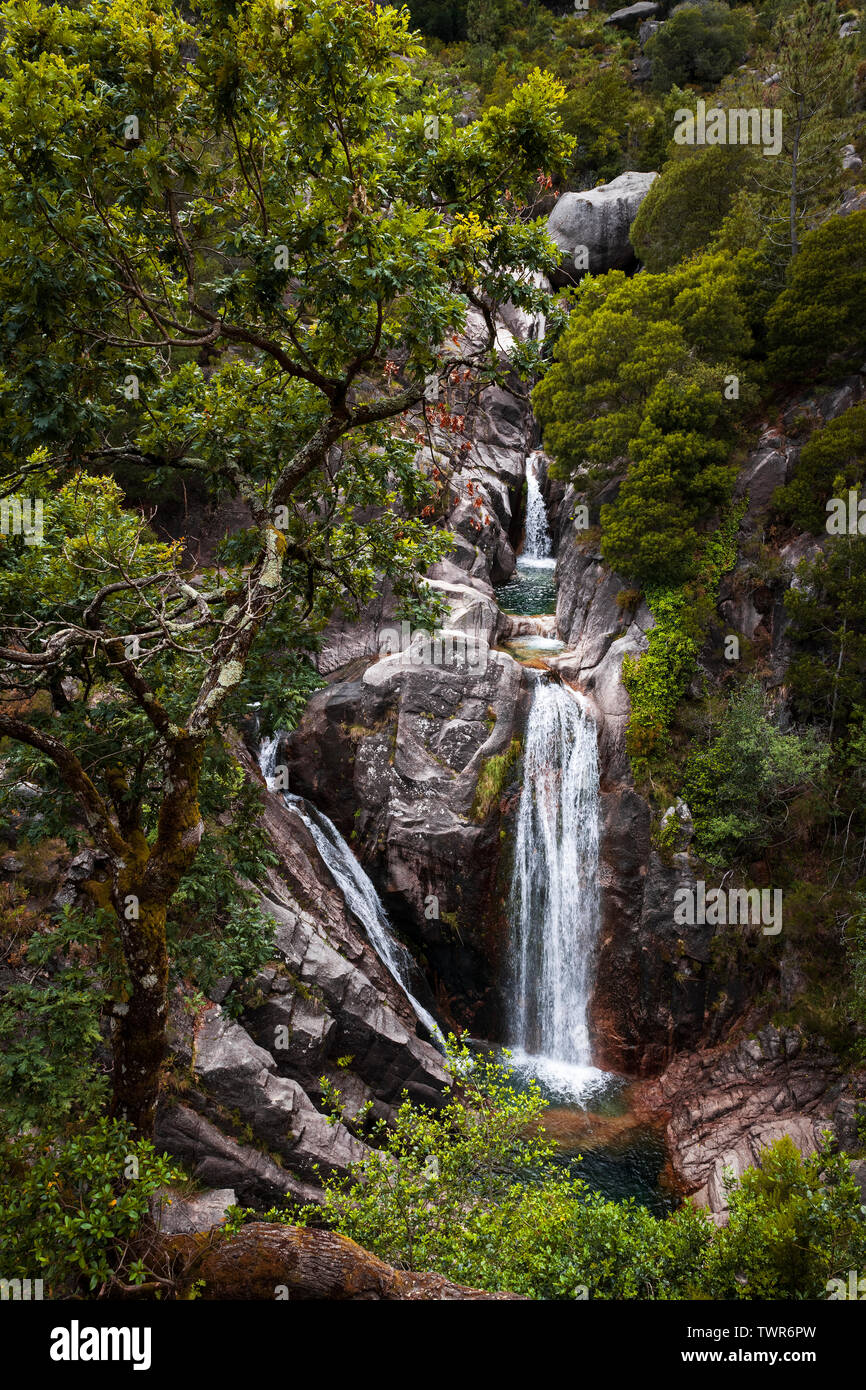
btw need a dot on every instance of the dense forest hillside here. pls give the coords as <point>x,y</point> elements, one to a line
<point>432,650</point>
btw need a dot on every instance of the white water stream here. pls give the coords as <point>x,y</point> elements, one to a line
<point>358,892</point>
<point>537,546</point>
<point>554,901</point>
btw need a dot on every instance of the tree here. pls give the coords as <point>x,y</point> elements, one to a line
<point>832,462</point>
<point>623,338</point>
<point>678,477</point>
<point>820,310</point>
<point>828,626</point>
<point>232,253</point>
<point>687,204</point>
<point>815,89</point>
<point>698,43</point>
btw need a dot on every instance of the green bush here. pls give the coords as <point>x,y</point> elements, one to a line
<point>49,1028</point>
<point>795,1224</point>
<point>820,311</point>
<point>679,476</point>
<point>74,1209</point>
<point>832,461</point>
<point>657,681</point>
<point>739,788</point>
<point>688,203</point>
<point>472,1192</point>
<point>624,338</point>
<point>698,43</point>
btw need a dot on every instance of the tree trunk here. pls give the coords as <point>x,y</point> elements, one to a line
<point>269,1261</point>
<point>138,1042</point>
<point>143,889</point>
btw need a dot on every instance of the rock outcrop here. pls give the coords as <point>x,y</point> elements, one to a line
<point>395,755</point>
<point>598,220</point>
<point>630,16</point>
<point>326,1008</point>
<point>728,1103</point>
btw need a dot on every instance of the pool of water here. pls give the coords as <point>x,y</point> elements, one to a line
<point>533,648</point>
<point>597,1137</point>
<point>531,589</point>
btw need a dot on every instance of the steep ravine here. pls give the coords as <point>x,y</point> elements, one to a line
<point>419,764</point>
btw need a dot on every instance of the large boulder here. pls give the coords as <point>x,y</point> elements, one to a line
<point>599,220</point>
<point>630,16</point>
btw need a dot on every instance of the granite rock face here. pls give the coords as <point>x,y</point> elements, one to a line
<point>599,220</point>
<point>251,1113</point>
<point>728,1103</point>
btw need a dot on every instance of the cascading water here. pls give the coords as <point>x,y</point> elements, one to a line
<point>357,889</point>
<point>554,900</point>
<point>537,544</point>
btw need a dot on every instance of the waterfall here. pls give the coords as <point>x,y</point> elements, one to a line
<point>357,889</point>
<point>537,545</point>
<point>554,901</point>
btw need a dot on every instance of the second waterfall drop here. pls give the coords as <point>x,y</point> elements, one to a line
<point>554,900</point>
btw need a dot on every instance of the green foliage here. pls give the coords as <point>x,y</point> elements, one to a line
<point>739,788</point>
<point>698,43</point>
<point>598,112</point>
<point>216,926</point>
<point>827,608</point>
<point>492,778</point>
<point>679,476</point>
<point>657,681</point>
<point>687,205</point>
<point>832,461</point>
<point>471,1192</point>
<point>814,98</point>
<point>820,311</point>
<point>49,1029</point>
<point>623,338</point>
<point>795,1223</point>
<point>72,1214</point>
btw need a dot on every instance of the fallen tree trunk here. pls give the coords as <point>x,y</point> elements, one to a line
<point>268,1261</point>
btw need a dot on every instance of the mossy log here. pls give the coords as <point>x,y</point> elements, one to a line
<point>269,1261</point>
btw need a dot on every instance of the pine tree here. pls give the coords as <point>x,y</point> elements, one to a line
<point>815,83</point>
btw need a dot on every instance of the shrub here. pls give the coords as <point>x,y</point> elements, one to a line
<point>688,203</point>
<point>698,43</point>
<point>795,1224</point>
<point>74,1209</point>
<point>657,681</point>
<point>740,786</point>
<point>832,461</point>
<point>820,311</point>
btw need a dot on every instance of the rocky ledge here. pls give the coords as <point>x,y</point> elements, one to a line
<point>725,1104</point>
